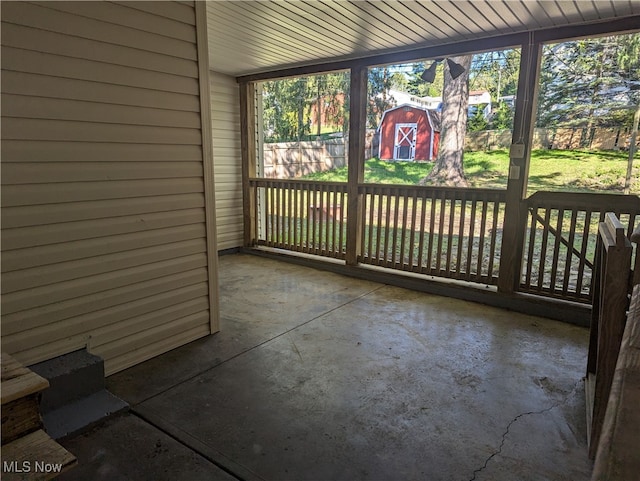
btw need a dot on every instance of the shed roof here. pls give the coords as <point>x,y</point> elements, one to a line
<point>432,115</point>
<point>253,37</point>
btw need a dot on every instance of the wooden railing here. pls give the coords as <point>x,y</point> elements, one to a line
<point>301,216</point>
<point>560,241</point>
<point>440,231</point>
<point>446,232</point>
<point>608,316</point>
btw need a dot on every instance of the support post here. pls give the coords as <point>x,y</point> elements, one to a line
<point>515,217</point>
<point>357,125</point>
<point>248,153</point>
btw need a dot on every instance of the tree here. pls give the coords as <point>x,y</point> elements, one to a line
<point>448,168</point>
<point>380,81</point>
<point>291,105</point>
<point>583,83</point>
<point>477,120</point>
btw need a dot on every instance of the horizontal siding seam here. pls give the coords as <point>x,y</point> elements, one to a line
<point>50,6</point>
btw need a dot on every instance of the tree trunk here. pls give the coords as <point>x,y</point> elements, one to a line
<point>448,168</point>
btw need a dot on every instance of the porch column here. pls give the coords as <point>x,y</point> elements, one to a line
<point>515,218</point>
<point>357,126</point>
<point>248,153</point>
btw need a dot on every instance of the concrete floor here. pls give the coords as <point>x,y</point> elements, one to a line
<point>315,376</point>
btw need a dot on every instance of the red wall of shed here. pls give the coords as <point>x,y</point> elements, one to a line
<point>423,136</point>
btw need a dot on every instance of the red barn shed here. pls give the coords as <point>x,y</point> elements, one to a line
<point>409,133</point>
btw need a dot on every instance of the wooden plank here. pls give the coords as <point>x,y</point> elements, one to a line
<point>20,417</point>
<point>616,259</point>
<point>472,226</point>
<point>357,127</point>
<point>249,160</point>
<point>461,221</point>
<point>423,215</point>
<point>494,237</point>
<point>18,381</point>
<point>387,222</point>
<point>558,237</point>
<point>440,231</point>
<point>617,454</point>
<point>483,227</point>
<point>395,200</point>
<point>515,221</point>
<point>379,243</point>
<point>41,453</point>
<point>414,208</point>
<point>570,252</point>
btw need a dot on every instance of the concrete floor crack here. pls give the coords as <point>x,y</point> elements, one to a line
<point>514,420</point>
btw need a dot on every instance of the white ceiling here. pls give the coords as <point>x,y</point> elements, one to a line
<point>247,37</point>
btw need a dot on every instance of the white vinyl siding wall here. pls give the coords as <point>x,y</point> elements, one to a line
<point>104,240</point>
<point>225,115</point>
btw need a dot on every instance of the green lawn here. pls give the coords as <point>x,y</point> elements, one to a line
<point>566,170</point>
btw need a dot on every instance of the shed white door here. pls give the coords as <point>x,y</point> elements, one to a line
<point>404,147</point>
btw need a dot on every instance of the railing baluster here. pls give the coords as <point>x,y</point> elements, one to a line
<point>412,232</point>
<point>463,211</point>
<point>556,250</point>
<point>472,228</point>
<point>543,249</point>
<point>432,220</point>
<point>483,226</point>
<point>451,224</point>
<point>321,223</point>
<point>586,232</point>
<point>385,255</point>
<point>494,238</point>
<point>443,202</point>
<point>394,232</point>
<point>533,230</point>
<point>568,262</point>
<point>423,214</point>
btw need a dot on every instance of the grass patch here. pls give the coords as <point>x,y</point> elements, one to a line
<point>550,170</point>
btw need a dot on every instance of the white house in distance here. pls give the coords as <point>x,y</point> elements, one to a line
<point>476,97</point>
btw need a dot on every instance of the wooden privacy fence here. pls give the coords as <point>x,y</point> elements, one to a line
<point>562,138</point>
<point>445,232</point>
<point>560,240</point>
